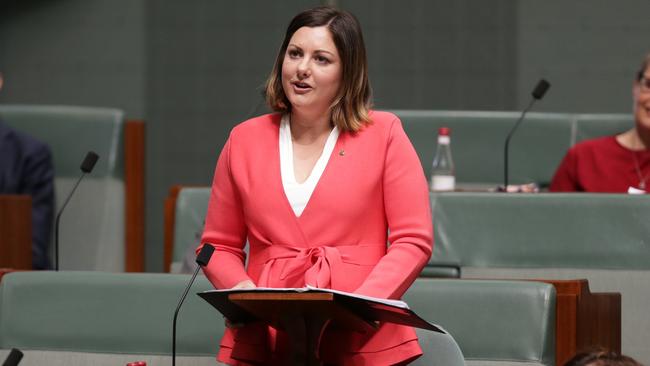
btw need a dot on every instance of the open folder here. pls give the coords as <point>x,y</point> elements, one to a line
<point>270,304</point>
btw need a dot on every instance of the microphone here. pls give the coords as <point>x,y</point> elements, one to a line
<point>538,93</point>
<point>86,167</point>
<point>14,358</point>
<point>202,260</point>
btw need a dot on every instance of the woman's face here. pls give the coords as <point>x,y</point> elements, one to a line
<point>642,101</point>
<point>311,69</point>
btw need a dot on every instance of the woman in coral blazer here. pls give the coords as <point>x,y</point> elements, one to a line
<point>317,190</point>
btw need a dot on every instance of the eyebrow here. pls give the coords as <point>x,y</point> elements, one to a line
<point>317,51</point>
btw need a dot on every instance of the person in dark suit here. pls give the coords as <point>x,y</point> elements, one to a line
<point>26,168</point>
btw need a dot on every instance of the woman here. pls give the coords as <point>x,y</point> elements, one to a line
<point>615,164</point>
<point>314,188</point>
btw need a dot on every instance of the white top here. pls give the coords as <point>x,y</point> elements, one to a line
<point>298,194</point>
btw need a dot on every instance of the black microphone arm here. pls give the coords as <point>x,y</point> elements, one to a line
<point>14,358</point>
<point>538,93</point>
<point>86,167</point>
<point>202,260</point>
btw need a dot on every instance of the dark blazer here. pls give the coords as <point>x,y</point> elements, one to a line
<point>26,168</point>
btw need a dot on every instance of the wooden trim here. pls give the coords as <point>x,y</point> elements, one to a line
<point>16,231</point>
<point>170,218</point>
<point>584,319</point>
<point>134,150</point>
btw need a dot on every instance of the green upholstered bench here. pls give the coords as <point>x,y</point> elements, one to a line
<point>604,238</point>
<point>494,322</point>
<point>103,226</point>
<point>95,318</point>
<point>81,318</point>
<point>478,138</point>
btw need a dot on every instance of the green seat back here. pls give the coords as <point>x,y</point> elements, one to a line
<point>542,230</point>
<point>71,132</point>
<point>498,321</point>
<point>589,126</point>
<point>191,207</point>
<point>105,313</point>
<point>92,226</point>
<point>477,143</point>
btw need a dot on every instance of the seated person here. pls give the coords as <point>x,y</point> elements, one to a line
<point>26,168</point>
<point>613,164</point>
<point>601,358</point>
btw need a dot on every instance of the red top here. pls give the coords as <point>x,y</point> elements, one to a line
<point>602,165</point>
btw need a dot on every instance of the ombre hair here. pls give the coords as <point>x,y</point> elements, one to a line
<point>644,66</point>
<point>349,111</point>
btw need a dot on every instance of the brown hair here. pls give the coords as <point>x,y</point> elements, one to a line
<point>601,357</point>
<point>350,107</point>
<point>644,66</point>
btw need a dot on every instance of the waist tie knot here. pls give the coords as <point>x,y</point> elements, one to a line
<point>320,266</point>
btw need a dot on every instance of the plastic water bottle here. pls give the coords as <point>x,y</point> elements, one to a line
<point>443,174</point>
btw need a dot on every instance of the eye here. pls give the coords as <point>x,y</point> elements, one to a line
<point>322,59</point>
<point>293,53</point>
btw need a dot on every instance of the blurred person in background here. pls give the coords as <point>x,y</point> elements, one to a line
<point>613,164</point>
<point>601,357</point>
<point>26,168</point>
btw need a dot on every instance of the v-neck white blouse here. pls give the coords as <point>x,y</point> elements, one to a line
<point>298,194</point>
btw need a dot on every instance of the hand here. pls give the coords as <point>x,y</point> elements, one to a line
<point>522,188</point>
<point>244,284</point>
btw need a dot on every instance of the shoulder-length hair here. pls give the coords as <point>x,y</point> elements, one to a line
<point>349,111</point>
<point>644,66</point>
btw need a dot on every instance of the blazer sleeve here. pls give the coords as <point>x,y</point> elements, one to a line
<point>225,228</point>
<point>38,181</point>
<point>408,214</point>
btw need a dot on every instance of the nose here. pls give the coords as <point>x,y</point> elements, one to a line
<point>303,69</point>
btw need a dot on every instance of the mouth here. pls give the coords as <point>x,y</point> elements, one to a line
<point>301,85</point>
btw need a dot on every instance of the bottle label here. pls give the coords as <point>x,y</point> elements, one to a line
<point>443,183</point>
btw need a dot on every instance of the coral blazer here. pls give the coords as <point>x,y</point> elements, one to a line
<point>373,191</point>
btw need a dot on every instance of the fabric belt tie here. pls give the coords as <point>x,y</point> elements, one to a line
<point>320,266</point>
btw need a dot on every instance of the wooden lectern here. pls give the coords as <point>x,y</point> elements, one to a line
<point>16,231</point>
<point>303,314</point>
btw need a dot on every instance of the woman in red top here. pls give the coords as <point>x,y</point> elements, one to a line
<point>318,189</point>
<point>615,164</point>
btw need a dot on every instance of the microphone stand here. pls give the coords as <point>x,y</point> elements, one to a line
<point>507,145</point>
<point>56,225</point>
<point>86,167</point>
<point>202,260</point>
<point>178,307</point>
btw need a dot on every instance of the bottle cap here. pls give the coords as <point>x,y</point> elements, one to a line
<point>444,131</point>
<point>137,363</point>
